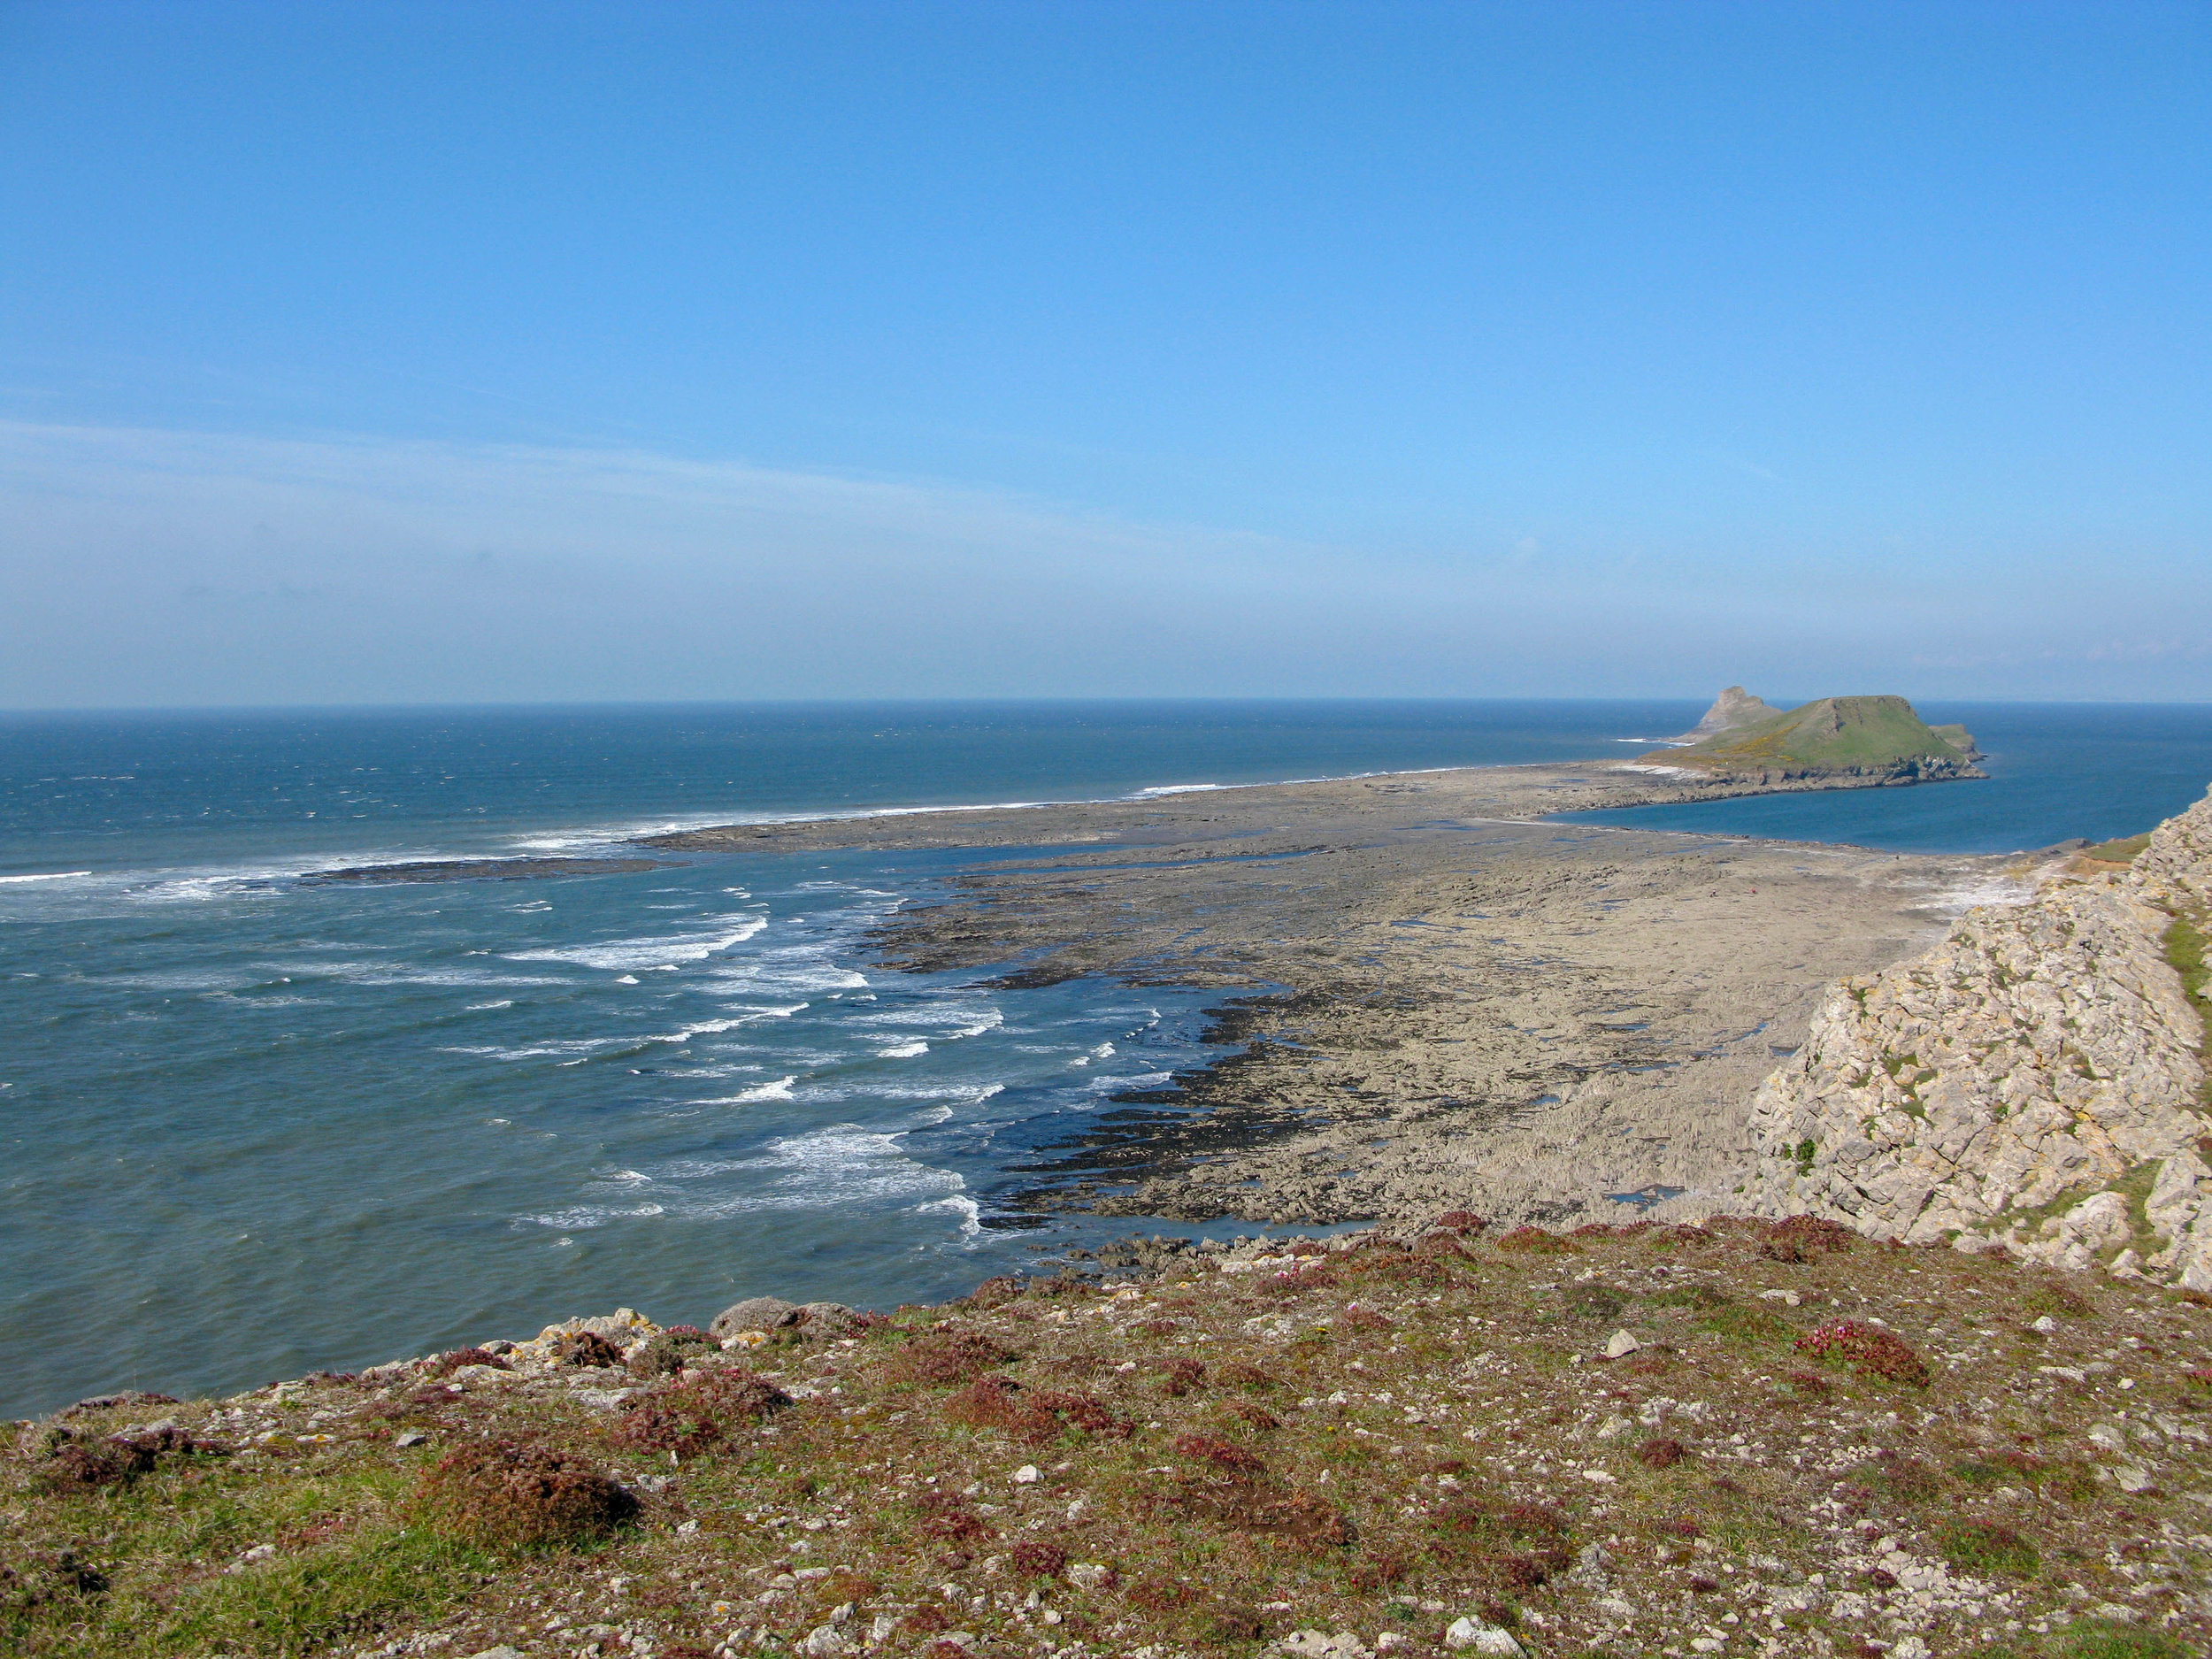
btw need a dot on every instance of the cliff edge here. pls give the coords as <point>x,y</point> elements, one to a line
<point>2037,1080</point>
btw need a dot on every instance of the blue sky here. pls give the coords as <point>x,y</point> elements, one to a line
<point>456,352</point>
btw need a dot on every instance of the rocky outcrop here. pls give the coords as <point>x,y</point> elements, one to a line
<point>1732,707</point>
<point>2036,1080</point>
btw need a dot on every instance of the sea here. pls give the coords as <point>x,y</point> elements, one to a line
<point>257,1123</point>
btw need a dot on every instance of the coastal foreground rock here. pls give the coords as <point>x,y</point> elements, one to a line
<point>2036,1080</point>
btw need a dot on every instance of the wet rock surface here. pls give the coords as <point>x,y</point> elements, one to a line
<point>1437,999</point>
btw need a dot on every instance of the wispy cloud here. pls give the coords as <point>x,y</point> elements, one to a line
<point>149,566</point>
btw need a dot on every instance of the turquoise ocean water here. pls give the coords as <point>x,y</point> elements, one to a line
<point>257,1125</point>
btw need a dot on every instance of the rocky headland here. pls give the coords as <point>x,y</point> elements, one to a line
<point>1881,740</point>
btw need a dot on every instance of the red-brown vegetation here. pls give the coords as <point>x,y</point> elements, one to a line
<point>508,1494</point>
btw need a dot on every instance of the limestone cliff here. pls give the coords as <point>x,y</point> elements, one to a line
<point>2037,1079</point>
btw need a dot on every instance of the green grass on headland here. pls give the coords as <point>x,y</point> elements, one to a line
<point>2122,851</point>
<point>1836,734</point>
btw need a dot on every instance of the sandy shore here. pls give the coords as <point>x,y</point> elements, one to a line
<point>1443,1001</point>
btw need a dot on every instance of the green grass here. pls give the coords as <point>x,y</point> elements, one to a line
<point>2186,944</point>
<point>1982,1548</point>
<point>2090,1639</point>
<point>1747,1326</point>
<point>1832,734</point>
<point>1387,1481</point>
<point>2122,851</point>
<point>175,1533</point>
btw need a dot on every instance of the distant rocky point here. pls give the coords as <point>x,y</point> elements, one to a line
<point>1734,707</point>
<point>1880,739</point>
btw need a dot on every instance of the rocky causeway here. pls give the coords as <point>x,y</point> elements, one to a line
<point>1442,996</point>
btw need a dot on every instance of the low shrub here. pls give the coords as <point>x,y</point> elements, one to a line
<point>1036,1415</point>
<point>672,1350</point>
<point>945,1355</point>
<point>1462,1221</point>
<point>1220,1453</point>
<point>688,1418</point>
<point>1037,1558</point>
<point>511,1496</point>
<point>446,1364</point>
<point>1534,1242</point>
<point>1866,1348</point>
<point>1662,1453</point>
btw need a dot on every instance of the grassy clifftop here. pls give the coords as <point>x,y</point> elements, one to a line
<point>1747,1438</point>
<point>1880,735</point>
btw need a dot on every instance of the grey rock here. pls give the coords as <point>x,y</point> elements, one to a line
<point>754,1313</point>
<point>2039,1053</point>
<point>819,1321</point>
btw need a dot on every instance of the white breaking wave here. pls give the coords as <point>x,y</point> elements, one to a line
<point>770,974</point>
<point>837,1167</point>
<point>56,875</point>
<point>970,1212</point>
<point>584,1216</point>
<point>649,953</point>
<point>780,1089</point>
<point>904,1050</point>
<point>959,1094</point>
